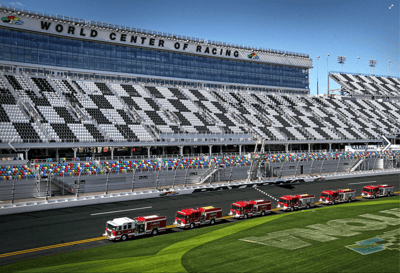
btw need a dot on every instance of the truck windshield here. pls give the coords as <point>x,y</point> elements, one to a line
<point>283,200</point>
<point>367,190</point>
<point>180,216</point>
<point>324,195</point>
<point>235,207</point>
<point>111,227</point>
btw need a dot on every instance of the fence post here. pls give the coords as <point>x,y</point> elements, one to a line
<point>133,181</point>
<point>186,175</point>
<point>47,187</point>
<point>337,168</point>
<point>320,171</point>
<point>158,176</point>
<point>230,175</point>
<point>107,182</point>
<point>13,191</point>
<point>173,182</point>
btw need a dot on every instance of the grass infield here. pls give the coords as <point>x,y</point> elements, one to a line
<point>219,248</point>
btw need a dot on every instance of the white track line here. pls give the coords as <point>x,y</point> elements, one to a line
<point>362,182</point>
<point>119,211</point>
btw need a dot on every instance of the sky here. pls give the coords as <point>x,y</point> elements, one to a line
<point>368,29</point>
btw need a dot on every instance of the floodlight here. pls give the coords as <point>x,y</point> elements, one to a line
<point>372,63</point>
<point>341,60</point>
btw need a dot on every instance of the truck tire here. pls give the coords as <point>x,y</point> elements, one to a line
<point>373,196</point>
<point>124,237</point>
<point>154,232</point>
<point>333,203</point>
<point>308,206</point>
<point>291,209</point>
<point>245,216</point>
<point>191,226</point>
<point>263,213</point>
<point>212,222</point>
<point>349,200</point>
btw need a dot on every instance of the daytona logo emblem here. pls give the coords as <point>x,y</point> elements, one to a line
<point>290,239</point>
<point>389,240</point>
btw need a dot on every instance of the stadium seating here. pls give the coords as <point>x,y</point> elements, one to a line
<point>368,85</point>
<point>53,109</point>
<point>67,169</point>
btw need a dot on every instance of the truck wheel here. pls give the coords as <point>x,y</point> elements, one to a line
<point>263,213</point>
<point>308,206</point>
<point>333,203</point>
<point>373,196</point>
<point>212,222</point>
<point>124,237</point>
<point>154,232</point>
<point>291,209</point>
<point>191,226</point>
<point>349,200</point>
<point>245,216</point>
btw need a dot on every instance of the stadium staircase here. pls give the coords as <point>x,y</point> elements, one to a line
<point>209,173</point>
<point>357,164</point>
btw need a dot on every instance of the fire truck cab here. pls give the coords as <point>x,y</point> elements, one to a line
<point>372,191</point>
<point>189,218</point>
<point>124,228</point>
<point>338,196</point>
<point>244,209</point>
<point>298,201</point>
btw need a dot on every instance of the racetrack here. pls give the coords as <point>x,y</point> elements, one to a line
<point>46,228</point>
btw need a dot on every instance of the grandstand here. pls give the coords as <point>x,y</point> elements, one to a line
<point>368,86</point>
<point>62,111</point>
<point>69,84</point>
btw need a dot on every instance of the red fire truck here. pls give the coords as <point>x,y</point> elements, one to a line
<point>124,228</point>
<point>371,191</point>
<point>339,196</point>
<point>244,209</point>
<point>194,217</point>
<point>298,201</point>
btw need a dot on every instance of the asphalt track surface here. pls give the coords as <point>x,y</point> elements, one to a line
<point>43,233</point>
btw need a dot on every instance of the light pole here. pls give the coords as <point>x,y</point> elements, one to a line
<point>317,75</point>
<point>389,68</point>
<point>341,60</point>
<point>357,64</point>
<point>327,73</point>
<point>372,63</point>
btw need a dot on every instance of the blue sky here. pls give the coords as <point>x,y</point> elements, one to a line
<point>353,28</point>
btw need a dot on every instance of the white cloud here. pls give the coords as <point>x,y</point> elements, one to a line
<point>16,4</point>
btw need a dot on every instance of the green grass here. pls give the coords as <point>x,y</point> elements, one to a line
<point>219,248</point>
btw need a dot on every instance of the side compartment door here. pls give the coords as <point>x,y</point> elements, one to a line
<point>140,229</point>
